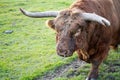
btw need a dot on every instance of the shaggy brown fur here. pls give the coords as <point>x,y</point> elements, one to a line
<point>90,39</point>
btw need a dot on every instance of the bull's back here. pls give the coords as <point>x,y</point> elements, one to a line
<point>117,6</point>
<point>116,38</point>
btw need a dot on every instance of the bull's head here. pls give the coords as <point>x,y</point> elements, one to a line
<point>69,25</point>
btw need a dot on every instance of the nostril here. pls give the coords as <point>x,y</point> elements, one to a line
<point>65,52</point>
<point>62,52</point>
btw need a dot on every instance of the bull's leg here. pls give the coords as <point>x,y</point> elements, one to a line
<point>96,61</point>
<point>94,71</point>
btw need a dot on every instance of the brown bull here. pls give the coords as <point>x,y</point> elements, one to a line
<point>88,27</point>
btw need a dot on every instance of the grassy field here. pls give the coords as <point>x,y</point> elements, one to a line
<point>29,51</point>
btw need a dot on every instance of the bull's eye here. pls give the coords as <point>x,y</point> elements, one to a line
<point>72,32</point>
<point>75,30</point>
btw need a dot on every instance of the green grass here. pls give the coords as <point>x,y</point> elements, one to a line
<point>29,51</point>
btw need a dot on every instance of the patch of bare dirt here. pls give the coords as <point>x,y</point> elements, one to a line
<point>61,71</point>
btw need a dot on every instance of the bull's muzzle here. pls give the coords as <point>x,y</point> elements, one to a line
<point>65,53</point>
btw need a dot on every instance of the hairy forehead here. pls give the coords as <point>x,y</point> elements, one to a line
<point>68,13</point>
<point>68,20</point>
<point>65,12</point>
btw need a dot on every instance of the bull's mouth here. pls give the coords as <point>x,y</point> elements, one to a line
<point>65,53</point>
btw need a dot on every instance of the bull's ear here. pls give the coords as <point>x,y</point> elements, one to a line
<point>50,23</point>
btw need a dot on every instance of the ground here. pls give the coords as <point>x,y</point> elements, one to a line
<point>77,70</point>
<point>27,46</point>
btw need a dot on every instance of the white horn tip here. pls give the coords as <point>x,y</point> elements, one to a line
<point>106,22</point>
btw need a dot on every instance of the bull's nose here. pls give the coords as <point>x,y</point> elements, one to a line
<point>64,53</point>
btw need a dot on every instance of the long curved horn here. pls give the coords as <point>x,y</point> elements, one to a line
<point>96,18</point>
<point>39,14</point>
